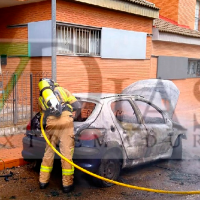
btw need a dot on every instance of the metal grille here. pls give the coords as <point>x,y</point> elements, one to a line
<point>18,97</point>
<point>14,98</point>
<point>78,41</point>
<point>193,68</point>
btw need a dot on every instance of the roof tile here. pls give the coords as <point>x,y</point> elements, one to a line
<point>168,27</point>
<point>144,3</point>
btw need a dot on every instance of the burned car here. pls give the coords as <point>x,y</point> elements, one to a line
<point>116,131</point>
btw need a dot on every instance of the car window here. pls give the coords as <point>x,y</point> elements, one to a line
<point>149,113</point>
<point>123,111</point>
<point>86,110</point>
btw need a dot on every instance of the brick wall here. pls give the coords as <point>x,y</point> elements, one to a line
<point>180,11</point>
<point>100,17</point>
<point>175,49</point>
<point>189,100</point>
<point>21,15</point>
<point>168,9</point>
<point>83,74</point>
<point>187,12</point>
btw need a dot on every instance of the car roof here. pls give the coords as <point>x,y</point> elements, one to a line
<point>99,96</point>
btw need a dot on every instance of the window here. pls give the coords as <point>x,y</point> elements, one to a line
<point>149,113</point>
<point>86,110</point>
<point>193,68</point>
<point>197,18</point>
<point>72,40</point>
<point>124,112</point>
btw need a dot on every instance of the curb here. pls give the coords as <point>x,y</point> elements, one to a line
<point>9,163</point>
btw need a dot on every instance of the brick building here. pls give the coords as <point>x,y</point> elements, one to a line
<point>84,29</point>
<point>105,45</point>
<point>175,53</point>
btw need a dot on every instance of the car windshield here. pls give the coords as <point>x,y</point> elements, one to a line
<point>86,110</point>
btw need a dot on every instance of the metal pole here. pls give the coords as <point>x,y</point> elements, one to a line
<point>31,94</point>
<point>53,56</point>
<point>15,99</point>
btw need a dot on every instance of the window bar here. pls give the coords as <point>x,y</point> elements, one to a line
<point>62,38</point>
<point>69,39</point>
<point>82,45</point>
<point>84,41</point>
<point>89,43</point>
<point>92,40</point>
<point>98,43</point>
<point>95,43</point>
<point>87,40</point>
<point>59,38</point>
<point>64,43</point>
<point>75,40</point>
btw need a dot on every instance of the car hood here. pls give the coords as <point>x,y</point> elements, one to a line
<point>162,93</point>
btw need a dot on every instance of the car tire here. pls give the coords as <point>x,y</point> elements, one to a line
<point>110,168</point>
<point>177,149</point>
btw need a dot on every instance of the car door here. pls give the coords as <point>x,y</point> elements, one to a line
<point>133,134</point>
<point>158,127</point>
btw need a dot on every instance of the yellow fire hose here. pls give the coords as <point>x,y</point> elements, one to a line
<point>108,180</point>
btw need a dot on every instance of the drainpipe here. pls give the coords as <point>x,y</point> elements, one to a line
<point>53,56</point>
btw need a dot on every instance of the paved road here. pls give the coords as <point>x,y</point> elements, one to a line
<point>168,175</point>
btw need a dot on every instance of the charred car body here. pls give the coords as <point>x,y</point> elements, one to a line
<point>115,131</point>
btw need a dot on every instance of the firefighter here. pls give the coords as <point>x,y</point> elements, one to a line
<point>58,104</point>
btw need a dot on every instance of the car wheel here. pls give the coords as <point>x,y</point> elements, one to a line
<point>110,168</point>
<point>177,149</point>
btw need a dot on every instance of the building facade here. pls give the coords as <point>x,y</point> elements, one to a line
<point>105,45</point>
<point>175,54</point>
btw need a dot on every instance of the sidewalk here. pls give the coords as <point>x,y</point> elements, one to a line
<point>10,151</point>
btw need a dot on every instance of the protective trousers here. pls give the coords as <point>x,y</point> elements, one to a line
<point>59,129</point>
